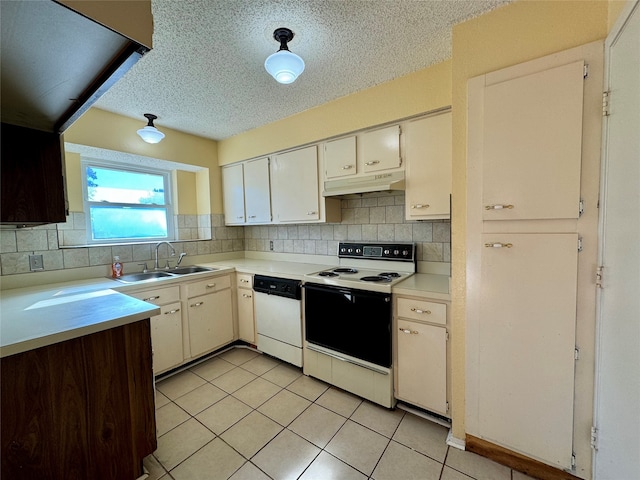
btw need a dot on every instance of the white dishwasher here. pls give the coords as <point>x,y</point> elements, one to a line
<point>279,317</point>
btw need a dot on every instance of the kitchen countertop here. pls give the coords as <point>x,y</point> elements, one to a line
<point>427,285</point>
<point>34,317</point>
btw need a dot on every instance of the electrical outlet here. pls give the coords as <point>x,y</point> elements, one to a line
<point>36,262</point>
<point>271,245</point>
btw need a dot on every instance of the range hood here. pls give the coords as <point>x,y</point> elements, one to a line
<point>379,182</point>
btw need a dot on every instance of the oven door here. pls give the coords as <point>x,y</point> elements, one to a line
<point>349,321</point>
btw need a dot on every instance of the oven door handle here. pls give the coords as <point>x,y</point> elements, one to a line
<point>337,357</point>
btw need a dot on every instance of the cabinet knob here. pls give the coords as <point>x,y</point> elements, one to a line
<point>172,311</point>
<point>246,295</point>
<point>498,207</point>
<point>197,304</point>
<point>417,310</point>
<point>150,299</point>
<point>211,285</point>
<point>498,245</point>
<point>244,280</point>
<point>410,332</point>
<point>252,216</point>
<point>347,167</point>
<point>420,205</point>
<point>373,162</point>
<point>312,213</point>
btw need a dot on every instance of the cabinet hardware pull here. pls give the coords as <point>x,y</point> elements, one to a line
<point>197,304</point>
<point>311,213</point>
<point>417,310</point>
<point>239,217</point>
<point>172,311</point>
<point>420,205</point>
<point>244,280</point>
<point>498,207</point>
<point>410,332</point>
<point>211,285</point>
<point>374,162</point>
<point>151,298</point>
<point>252,216</point>
<point>246,295</point>
<point>498,245</point>
<point>347,167</point>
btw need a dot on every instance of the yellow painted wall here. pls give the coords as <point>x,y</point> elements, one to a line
<point>102,129</point>
<point>187,200</point>
<point>513,34</point>
<point>74,181</point>
<point>416,93</point>
<point>615,7</point>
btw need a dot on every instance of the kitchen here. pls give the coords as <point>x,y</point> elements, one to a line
<point>447,83</point>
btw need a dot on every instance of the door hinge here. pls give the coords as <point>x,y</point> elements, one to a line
<point>576,354</point>
<point>585,70</point>
<point>580,207</point>
<point>580,247</point>
<point>605,103</point>
<point>446,336</point>
<point>447,407</point>
<point>573,461</point>
<point>599,274</point>
<point>594,438</point>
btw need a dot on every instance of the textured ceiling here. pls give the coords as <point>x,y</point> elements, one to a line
<point>206,76</point>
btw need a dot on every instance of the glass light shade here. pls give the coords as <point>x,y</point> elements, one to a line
<point>150,134</point>
<point>284,66</point>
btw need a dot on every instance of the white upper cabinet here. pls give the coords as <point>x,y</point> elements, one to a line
<point>256,191</point>
<point>294,180</point>
<point>340,157</point>
<point>428,168</point>
<point>233,194</point>
<point>246,192</point>
<point>533,145</point>
<point>380,149</point>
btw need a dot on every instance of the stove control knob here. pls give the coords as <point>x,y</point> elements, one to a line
<point>350,250</point>
<point>405,253</point>
<point>343,249</point>
<point>396,252</point>
<point>387,252</point>
<point>358,250</point>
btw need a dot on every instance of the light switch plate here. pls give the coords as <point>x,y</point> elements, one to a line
<point>36,262</point>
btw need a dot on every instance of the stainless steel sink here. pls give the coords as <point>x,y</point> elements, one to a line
<point>143,277</point>
<point>192,269</point>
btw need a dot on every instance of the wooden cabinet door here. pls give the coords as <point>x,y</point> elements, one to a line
<point>257,191</point>
<point>246,319</point>
<point>422,365</point>
<point>166,338</point>
<point>340,158</point>
<point>532,136</point>
<point>210,321</point>
<point>295,189</point>
<point>380,149</point>
<point>233,194</point>
<point>526,343</point>
<point>428,178</point>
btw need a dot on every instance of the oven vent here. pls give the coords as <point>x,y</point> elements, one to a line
<point>363,184</point>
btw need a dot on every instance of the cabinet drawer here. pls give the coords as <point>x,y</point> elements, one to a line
<point>245,280</point>
<point>159,296</point>
<point>422,310</point>
<point>209,285</point>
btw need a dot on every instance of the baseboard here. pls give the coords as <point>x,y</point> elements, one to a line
<point>454,442</point>
<point>516,461</point>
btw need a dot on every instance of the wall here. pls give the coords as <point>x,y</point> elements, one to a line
<point>513,34</point>
<point>419,92</point>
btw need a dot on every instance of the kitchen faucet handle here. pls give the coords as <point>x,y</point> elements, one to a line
<point>182,255</point>
<point>145,269</point>
<point>167,266</point>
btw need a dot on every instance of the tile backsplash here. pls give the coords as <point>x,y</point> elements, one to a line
<point>369,217</point>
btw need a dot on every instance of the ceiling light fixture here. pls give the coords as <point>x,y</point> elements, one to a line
<point>150,133</point>
<point>283,65</point>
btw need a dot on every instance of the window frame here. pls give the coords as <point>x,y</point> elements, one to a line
<point>168,205</point>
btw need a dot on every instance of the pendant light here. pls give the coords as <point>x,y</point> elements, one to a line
<point>283,65</point>
<point>150,133</point>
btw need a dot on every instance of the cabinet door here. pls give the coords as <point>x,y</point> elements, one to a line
<point>422,365</point>
<point>380,149</point>
<point>294,177</point>
<point>256,191</point>
<point>428,179</point>
<point>210,322</point>
<point>533,145</point>
<point>340,157</point>
<point>246,319</point>
<point>527,340</point>
<point>166,338</point>
<point>233,194</point>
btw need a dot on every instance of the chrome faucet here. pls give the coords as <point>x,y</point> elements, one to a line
<point>182,255</point>
<point>173,253</point>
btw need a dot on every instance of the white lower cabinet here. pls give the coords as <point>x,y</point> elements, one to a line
<point>420,367</point>
<point>246,316</point>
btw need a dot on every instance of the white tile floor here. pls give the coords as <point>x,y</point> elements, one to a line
<point>246,416</point>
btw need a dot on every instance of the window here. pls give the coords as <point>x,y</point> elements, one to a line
<point>126,205</point>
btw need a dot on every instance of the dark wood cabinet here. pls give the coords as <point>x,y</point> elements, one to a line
<point>79,409</point>
<point>33,188</point>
